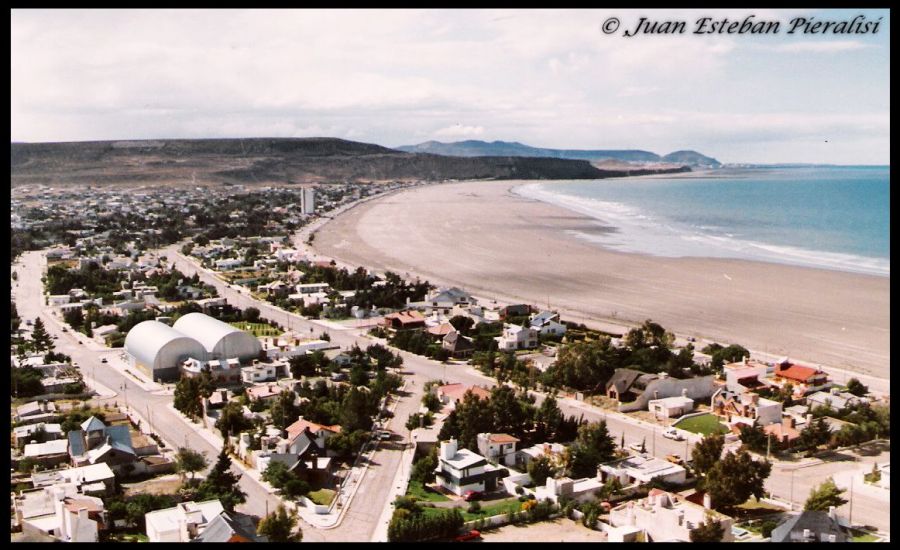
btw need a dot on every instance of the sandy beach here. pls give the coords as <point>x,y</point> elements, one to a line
<point>480,236</point>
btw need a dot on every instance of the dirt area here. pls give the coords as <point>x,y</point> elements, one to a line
<point>560,529</point>
<point>163,485</point>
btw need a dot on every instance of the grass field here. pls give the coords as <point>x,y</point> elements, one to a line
<point>486,511</point>
<point>257,329</point>
<point>704,424</point>
<point>416,489</point>
<point>862,536</point>
<point>322,497</point>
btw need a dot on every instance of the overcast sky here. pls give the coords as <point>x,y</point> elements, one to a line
<point>397,77</point>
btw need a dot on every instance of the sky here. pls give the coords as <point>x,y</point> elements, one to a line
<point>546,78</point>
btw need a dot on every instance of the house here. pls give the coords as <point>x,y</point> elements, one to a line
<point>227,371</point>
<point>461,470</point>
<point>445,300</point>
<point>48,454</point>
<point>516,337</point>
<point>52,384</point>
<point>805,380</point>
<point>320,433</point>
<point>457,345</point>
<point>404,320</point>
<point>784,432</point>
<point>29,432</point>
<point>745,408</point>
<point>498,447</point>
<point>547,324</point>
<point>554,451</point>
<point>313,288</point>
<point>515,310</point>
<point>835,399</point>
<point>626,384</point>
<point>671,407</point>
<point>637,469</point>
<point>263,392</point>
<point>811,526</point>
<point>94,479</point>
<point>261,372</point>
<point>183,523</point>
<point>275,288</point>
<point>36,411</point>
<point>105,332</point>
<point>451,394</point>
<point>440,331</point>
<point>232,527</point>
<point>663,517</point>
<point>229,263</point>
<point>61,512</point>
<point>745,375</point>
<point>96,442</point>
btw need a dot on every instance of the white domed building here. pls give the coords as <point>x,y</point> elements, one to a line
<point>158,349</point>
<point>220,340</point>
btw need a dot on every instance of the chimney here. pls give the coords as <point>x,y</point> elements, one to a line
<point>754,398</point>
<point>809,419</point>
<point>788,422</point>
<point>629,518</point>
<point>683,392</point>
<point>448,449</point>
<point>832,513</point>
<point>83,513</point>
<point>707,501</point>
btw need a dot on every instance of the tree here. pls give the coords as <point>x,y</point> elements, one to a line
<point>303,365</point>
<point>251,315</point>
<point>708,531</point>
<point>279,526</point>
<point>222,484</point>
<point>40,338</point>
<point>189,461</point>
<point>735,478</point>
<point>814,434</point>
<point>423,469</point>
<point>824,496</point>
<point>432,402</point>
<point>540,469</point>
<point>282,411</point>
<point>547,419</point>
<point>755,438</point>
<point>355,411</point>
<point>707,453</point>
<point>187,397</point>
<point>856,387</point>
<point>232,420</point>
<point>592,446</point>
<point>277,474</point>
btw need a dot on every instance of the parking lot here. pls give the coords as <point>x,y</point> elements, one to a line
<point>558,530</point>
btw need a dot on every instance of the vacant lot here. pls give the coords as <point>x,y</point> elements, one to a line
<point>257,329</point>
<point>560,529</point>
<point>704,424</point>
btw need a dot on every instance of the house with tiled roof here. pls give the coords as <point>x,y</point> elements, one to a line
<point>499,448</point>
<point>404,320</point>
<point>457,345</point>
<point>451,394</point>
<point>320,433</point>
<point>805,380</point>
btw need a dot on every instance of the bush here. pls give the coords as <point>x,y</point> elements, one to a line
<point>474,507</point>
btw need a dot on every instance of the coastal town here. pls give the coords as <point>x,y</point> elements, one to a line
<point>187,365</point>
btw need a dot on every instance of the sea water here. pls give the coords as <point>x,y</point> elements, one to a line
<point>825,217</point>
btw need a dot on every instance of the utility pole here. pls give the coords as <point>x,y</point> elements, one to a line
<point>792,489</point>
<point>850,519</point>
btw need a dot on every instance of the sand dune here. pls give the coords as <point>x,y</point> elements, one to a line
<point>494,243</point>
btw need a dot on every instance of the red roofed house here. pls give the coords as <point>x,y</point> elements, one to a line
<point>498,447</point>
<point>784,433</point>
<point>404,320</point>
<point>453,393</point>
<point>319,431</point>
<point>804,379</point>
<point>264,391</point>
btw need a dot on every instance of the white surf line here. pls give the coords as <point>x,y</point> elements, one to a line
<point>726,276</point>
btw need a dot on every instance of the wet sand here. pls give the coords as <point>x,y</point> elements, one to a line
<point>482,237</point>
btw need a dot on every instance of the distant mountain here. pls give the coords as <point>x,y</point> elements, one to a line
<point>691,158</point>
<point>268,161</point>
<point>477,148</point>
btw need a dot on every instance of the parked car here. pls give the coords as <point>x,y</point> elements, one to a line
<point>384,435</point>
<point>636,447</point>
<point>471,535</point>
<point>672,433</point>
<point>338,376</point>
<point>674,459</point>
<point>104,360</point>
<point>469,496</point>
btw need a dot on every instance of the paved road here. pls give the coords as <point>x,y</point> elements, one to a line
<point>28,295</point>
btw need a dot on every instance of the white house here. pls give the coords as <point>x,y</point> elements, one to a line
<point>745,408</point>
<point>515,337</point>
<point>498,447</point>
<point>461,470</point>
<point>663,517</point>
<point>261,372</point>
<point>181,523</point>
<point>671,407</point>
<point>547,323</point>
<point>228,263</point>
<point>745,375</point>
<point>641,469</point>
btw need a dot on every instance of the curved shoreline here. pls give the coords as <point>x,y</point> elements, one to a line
<point>481,236</point>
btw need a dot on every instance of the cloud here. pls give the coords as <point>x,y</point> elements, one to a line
<point>822,46</point>
<point>459,130</point>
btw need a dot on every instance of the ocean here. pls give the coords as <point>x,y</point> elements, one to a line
<point>823,217</point>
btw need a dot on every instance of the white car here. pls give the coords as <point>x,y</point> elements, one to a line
<point>636,447</point>
<point>672,433</point>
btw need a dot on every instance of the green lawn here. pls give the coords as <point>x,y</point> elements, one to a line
<point>257,329</point>
<point>703,424</point>
<point>416,489</point>
<point>322,497</point>
<point>862,536</point>
<point>486,511</point>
